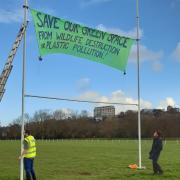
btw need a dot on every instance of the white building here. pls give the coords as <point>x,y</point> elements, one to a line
<point>104,111</point>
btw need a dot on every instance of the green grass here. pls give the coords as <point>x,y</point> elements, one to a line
<point>90,160</point>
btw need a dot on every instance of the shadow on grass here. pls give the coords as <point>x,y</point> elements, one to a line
<point>85,173</point>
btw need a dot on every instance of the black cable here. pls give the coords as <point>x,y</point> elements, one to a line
<point>76,100</point>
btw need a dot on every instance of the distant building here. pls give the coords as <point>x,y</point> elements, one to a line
<point>104,111</point>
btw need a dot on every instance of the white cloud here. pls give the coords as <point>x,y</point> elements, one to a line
<point>131,33</point>
<point>116,96</point>
<point>83,84</point>
<point>145,54</point>
<point>7,16</point>
<point>169,101</point>
<point>176,53</point>
<point>120,97</point>
<point>85,3</point>
<point>16,16</point>
<point>90,95</point>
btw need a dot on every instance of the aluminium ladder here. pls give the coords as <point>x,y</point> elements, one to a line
<point>8,65</point>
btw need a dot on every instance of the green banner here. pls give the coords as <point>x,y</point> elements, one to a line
<point>56,35</point>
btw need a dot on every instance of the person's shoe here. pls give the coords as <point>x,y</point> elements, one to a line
<point>160,172</point>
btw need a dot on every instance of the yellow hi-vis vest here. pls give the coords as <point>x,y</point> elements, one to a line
<point>31,151</point>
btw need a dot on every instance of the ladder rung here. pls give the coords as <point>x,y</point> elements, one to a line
<point>11,55</point>
<point>14,48</point>
<point>1,95</point>
<point>16,41</point>
<point>5,75</point>
<point>5,70</point>
<point>2,91</point>
<point>3,84</point>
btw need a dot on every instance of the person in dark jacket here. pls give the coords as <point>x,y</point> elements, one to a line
<point>156,149</point>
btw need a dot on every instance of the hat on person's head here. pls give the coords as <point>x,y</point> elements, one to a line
<point>27,131</point>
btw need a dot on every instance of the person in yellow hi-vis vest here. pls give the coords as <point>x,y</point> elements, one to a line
<point>29,153</point>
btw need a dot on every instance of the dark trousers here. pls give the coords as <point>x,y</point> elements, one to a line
<point>28,167</point>
<point>156,167</point>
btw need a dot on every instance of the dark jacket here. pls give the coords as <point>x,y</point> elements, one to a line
<point>157,146</point>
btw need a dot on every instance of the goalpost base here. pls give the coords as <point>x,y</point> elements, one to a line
<point>141,168</point>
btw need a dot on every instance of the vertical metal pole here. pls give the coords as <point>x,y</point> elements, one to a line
<point>138,79</point>
<point>23,87</point>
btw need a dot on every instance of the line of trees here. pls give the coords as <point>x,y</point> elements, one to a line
<point>58,124</point>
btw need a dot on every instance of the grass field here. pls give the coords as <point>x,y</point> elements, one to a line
<point>90,160</point>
